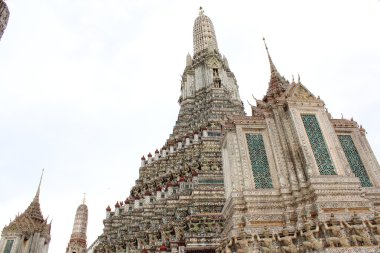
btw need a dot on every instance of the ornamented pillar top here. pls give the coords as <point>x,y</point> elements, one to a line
<point>203,33</point>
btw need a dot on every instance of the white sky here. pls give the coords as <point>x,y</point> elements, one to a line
<point>87,87</point>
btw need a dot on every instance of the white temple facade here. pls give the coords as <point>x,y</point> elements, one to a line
<point>290,168</point>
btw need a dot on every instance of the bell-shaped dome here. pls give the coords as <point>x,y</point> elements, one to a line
<point>203,33</point>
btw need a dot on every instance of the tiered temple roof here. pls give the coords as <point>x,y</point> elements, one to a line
<point>30,221</point>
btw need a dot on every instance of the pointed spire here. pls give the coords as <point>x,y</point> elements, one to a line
<point>277,83</point>
<point>34,209</point>
<point>31,220</point>
<point>273,69</point>
<point>37,196</point>
<point>84,199</point>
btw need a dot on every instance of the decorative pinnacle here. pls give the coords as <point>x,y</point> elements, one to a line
<point>84,199</point>
<point>265,44</point>
<point>277,83</point>
<point>201,11</point>
<point>39,186</point>
<point>272,67</point>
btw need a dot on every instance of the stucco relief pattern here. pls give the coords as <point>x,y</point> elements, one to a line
<point>311,165</point>
<point>246,172</point>
<point>282,168</point>
<point>340,163</point>
<point>292,144</point>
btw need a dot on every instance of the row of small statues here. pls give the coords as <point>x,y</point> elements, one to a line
<point>173,174</point>
<point>332,234</point>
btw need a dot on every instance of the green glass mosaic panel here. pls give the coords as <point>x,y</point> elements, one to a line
<point>354,160</point>
<point>318,145</point>
<point>259,161</point>
<point>8,246</point>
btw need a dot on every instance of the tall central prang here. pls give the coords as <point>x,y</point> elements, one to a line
<point>208,89</point>
<point>177,200</point>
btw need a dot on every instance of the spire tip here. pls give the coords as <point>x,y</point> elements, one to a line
<point>265,44</point>
<point>42,174</point>
<point>39,185</point>
<point>201,11</point>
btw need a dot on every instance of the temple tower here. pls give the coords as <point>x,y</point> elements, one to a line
<point>29,232</point>
<point>78,239</point>
<point>289,178</point>
<point>4,16</point>
<point>301,181</point>
<point>209,91</point>
<point>177,200</point>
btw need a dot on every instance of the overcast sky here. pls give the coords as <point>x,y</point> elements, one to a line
<point>87,87</point>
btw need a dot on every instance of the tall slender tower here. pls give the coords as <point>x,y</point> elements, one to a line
<point>78,240</point>
<point>29,232</point>
<point>4,15</point>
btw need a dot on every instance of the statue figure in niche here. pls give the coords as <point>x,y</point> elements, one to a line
<point>179,230</point>
<point>267,241</point>
<point>311,243</point>
<point>359,231</point>
<point>376,227</point>
<point>338,237</point>
<point>287,240</point>
<point>229,245</point>
<point>244,243</point>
